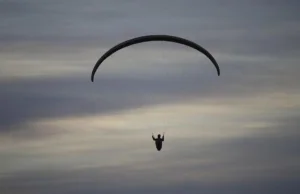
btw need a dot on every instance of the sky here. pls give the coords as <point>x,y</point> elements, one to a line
<point>236,133</point>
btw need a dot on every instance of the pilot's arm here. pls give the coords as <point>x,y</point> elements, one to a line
<point>163,138</point>
<point>153,137</point>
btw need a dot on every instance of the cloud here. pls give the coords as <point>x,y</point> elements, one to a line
<point>214,24</point>
<point>235,163</point>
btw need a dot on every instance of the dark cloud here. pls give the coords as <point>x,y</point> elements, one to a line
<point>43,98</point>
<point>33,98</point>
<point>51,183</point>
<point>242,27</point>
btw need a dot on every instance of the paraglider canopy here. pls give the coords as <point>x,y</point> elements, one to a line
<point>148,38</point>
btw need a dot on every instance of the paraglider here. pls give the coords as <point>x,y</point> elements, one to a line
<point>158,141</point>
<point>148,38</point>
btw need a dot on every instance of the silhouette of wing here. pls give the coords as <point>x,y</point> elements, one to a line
<point>149,38</point>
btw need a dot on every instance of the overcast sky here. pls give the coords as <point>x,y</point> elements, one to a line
<point>230,134</point>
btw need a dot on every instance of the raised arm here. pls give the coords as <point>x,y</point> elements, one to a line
<point>153,137</point>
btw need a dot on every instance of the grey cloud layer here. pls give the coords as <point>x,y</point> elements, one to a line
<point>34,98</point>
<point>265,163</point>
<point>261,28</point>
